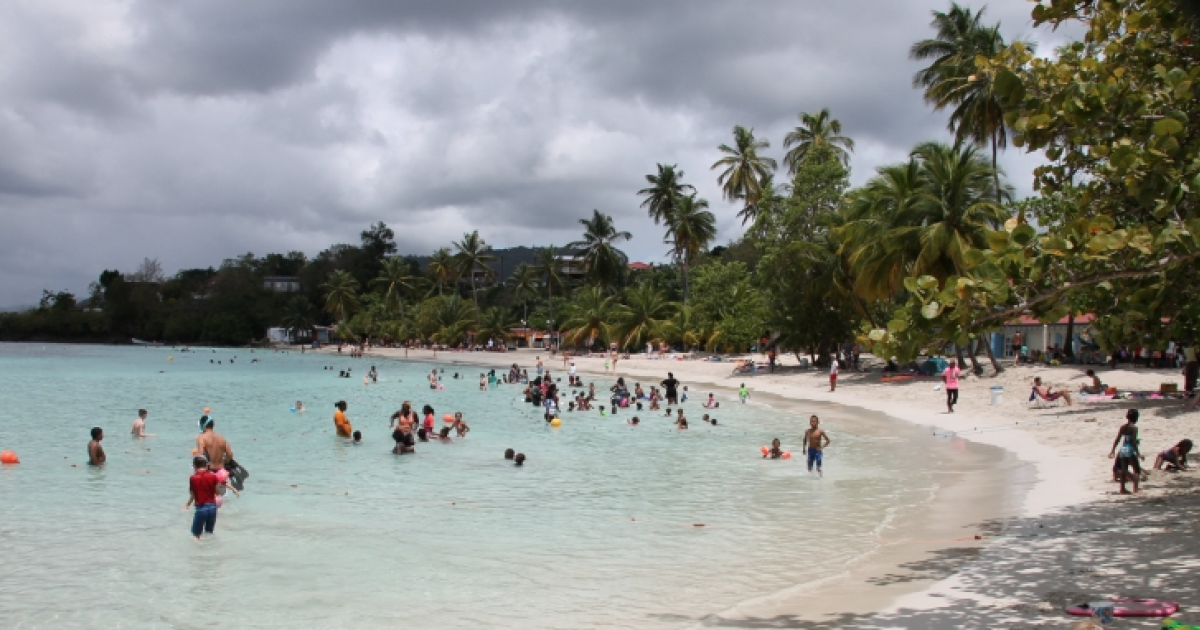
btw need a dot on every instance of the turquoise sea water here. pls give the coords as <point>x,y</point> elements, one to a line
<point>597,530</point>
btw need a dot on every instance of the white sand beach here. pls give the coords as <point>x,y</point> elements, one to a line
<point>942,565</point>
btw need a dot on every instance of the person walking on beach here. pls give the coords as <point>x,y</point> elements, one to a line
<point>815,441</point>
<point>950,378</point>
<point>1128,456</point>
<point>1191,368</point>
<point>139,425</point>
<point>833,373</point>
<point>671,386</point>
<point>214,447</point>
<point>96,455</point>
<point>1017,343</point>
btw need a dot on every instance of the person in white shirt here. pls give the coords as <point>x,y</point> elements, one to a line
<point>833,372</point>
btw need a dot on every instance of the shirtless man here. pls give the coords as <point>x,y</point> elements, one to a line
<point>95,451</point>
<point>403,435</point>
<point>213,446</point>
<point>433,379</point>
<point>139,425</point>
<point>815,441</point>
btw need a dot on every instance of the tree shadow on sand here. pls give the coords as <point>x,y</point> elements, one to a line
<point>1033,568</point>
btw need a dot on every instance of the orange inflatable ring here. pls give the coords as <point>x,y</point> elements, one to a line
<point>448,418</point>
<point>9,457</point>
<point>787,455</point>
<point>765,450</point>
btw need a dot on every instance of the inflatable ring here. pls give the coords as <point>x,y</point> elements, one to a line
<point>448,418</point>
<point>765,450</point>
<point>786,455</point>
<point>9,457</point>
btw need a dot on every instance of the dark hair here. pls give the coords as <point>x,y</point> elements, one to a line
<point>199,461</point>
<point>96,432</point>
<point>1184,446</point>
<point>519,459</point>
<point>141,412</point>
<point>427,409</point>
<point>341,404</point>
<point>1132,415</point>
<point>508,453</point>
<point>1091,372</point>
<point>358,435</point>
<point>714,421</point>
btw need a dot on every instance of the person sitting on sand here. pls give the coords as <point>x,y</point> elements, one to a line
<point>1175,457</point>
<point>1096,387</point>
<point>1047,393</point>
<point>775,452</point>
<point>1127,438</point>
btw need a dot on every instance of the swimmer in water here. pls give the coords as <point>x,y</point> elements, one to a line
<point>509,453</point>
<point>444,434</point>
<point>681,421</point>
<point>483,383</point>
<point>299,407</point>
<point>139,425</point>
<point>459,425</point>
<point>96,455</point>
<point>634,421</point>
<point>341,424</point>
<point>519,460</point>
<point>355,439</point>
<point>775,452</point>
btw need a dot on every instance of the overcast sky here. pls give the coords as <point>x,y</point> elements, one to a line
<point>196,130</point>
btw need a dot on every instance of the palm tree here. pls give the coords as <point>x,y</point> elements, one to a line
<point>604,262</point>
<point>769,199</point>
<point>495,323</point>
<point>691,230</point>
<point>877,264</point>
<point>473,255</point>
<point>816,130</point>
<point>450,318</point>
<point>665,188</point>
<point>524,284</point>
<point>588,316</point>
<point>341,293</point>
<point>643,316</point>
<point>298,315</point>
<point>442,268</point>
<point>684,328</point>
<point>549,266</point>
<point>396,281</point>
<point>952,78</point>
<point>744,169</point>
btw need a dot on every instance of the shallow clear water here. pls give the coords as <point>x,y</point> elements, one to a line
<point>596,530</point>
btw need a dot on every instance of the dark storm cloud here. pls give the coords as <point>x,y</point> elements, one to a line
<point>200,129</point>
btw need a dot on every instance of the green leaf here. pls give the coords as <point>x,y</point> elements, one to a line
<point>1167,127</point>
<point>1010,88</point>
<point>927,282</point>
<point>1023,234</point>
<point>877,335</point>
<point>898,325</point>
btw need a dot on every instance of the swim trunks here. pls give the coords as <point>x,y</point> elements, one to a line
<point>814,457</point>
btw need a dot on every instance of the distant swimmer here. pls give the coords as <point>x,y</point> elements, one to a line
<point>355,439</point>
<point>139,425</point>
<point>681,421</point>
<point>483,382</point>
<point>403,433</point>
<point>776,450</point>
<point>96,455</point>
<point>373,375</point>
<point>299,407</point>
<point>815,441</point>
<point>519,459</point>
<point>711,403</point>
<point>341,424</point>
<point>214,446</point>
<point>433,380</point>
<point>459,425</point>
<point>509,453</point>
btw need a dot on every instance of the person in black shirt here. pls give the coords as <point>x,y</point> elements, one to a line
<point>671,386</point>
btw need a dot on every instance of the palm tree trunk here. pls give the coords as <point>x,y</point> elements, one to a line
<point>1071,334</point>
<point>996,180</point>
<point>992,356</point>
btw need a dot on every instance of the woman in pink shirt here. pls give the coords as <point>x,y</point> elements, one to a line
<point>950,378</point>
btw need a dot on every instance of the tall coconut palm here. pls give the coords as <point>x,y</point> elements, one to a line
<point>298,315</point>
<point>743,168</point>
<point>473,256</point>
<point>665,187</point>
<point>684,327</point>
<point>549,267</point>
<point>643,315</point>
<point>605,263</point>
<point>691,230</point>
<point>452,318</point>
<point>816,130</point>
<point>770,199</point>
<point>442,268</point>
<point>952,78</point>
<point>524,284</point>
<point>396,281</point>
<point>589,316</point>
<point>876,262</point>
<point>495,323</point>
<point>341,293</point>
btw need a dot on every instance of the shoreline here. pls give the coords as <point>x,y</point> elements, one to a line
<point>970,501</point>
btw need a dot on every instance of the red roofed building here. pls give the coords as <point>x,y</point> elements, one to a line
<point>639,266</point>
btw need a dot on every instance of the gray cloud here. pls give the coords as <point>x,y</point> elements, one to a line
<point>201,129</point>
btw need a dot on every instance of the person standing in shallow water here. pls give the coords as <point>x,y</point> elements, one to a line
<point>815,441</point>
<point>96,455</point>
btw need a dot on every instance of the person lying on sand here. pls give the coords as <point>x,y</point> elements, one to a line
<point>1047,393</point>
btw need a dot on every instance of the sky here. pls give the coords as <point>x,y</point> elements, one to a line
<point>197,130</point>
